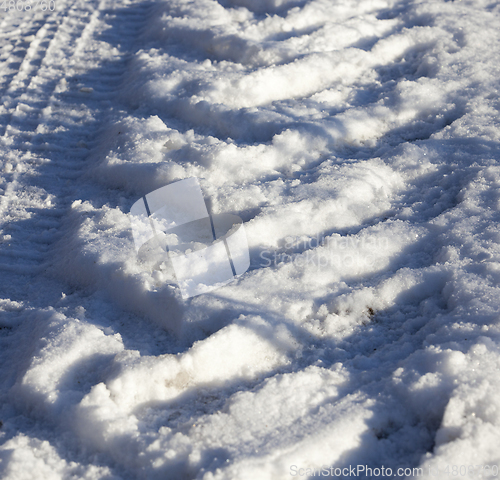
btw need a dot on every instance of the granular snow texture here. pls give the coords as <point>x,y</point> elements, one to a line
<point>359,141</point>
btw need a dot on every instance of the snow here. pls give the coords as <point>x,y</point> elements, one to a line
<point>358,141</point>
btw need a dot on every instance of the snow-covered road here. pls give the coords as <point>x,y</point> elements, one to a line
<point>359,141</point>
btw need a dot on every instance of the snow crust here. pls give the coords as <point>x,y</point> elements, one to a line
<point>359,141</point>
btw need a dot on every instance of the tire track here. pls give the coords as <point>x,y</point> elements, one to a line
<point>63,102</point>
<point>18,83</point>
<point>60,104</point>
<point>23,98</point>
<point>48,114</point>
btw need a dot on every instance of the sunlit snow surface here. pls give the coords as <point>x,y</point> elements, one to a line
<point>359,141</point>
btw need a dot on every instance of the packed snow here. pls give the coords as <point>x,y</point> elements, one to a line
<point>358,141</point>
